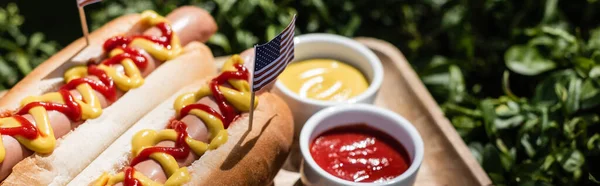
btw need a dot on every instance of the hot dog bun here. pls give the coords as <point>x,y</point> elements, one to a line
<point>34,84</point>
<point>252,155</point>
<point>203,28</point>
<point>74,151</point>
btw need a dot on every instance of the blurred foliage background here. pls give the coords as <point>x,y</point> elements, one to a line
<point>519,79</point>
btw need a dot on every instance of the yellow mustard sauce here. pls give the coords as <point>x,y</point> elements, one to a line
<point>238,96</point>
<point>324,79</point>
<point>90,105</point>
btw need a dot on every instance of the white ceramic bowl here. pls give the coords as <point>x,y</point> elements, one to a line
<point>391,123</point>
<point>311,46</point>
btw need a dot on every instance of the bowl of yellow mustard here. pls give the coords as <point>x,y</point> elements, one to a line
<point>328,70</point>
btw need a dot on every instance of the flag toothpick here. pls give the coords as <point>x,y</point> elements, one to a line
<point>270,59</point>
<point>84,26</point>
<point>252,95</point>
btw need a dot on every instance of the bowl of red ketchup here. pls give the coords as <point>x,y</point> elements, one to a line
<point>359,144</point>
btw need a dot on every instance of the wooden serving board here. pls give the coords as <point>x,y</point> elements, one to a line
<point>447,161</point>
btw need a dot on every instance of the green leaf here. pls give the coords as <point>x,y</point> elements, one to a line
<point>550,10</point>
<point>463,122</point>
<point>509,109</point>
<point>47,48</point>
<point>570,128</point>
<point>590,94</point>
<point>573,96</point>
<point>583,66</point>
<point>285,18</point>
<point>313,23</point>
<point>527,60</point>
<point>548,162</point>
<point>453,16</point>
<point>242,10</point>
<point>352,26</point>
<point>245,39</point>
<point>3,16</point>
<point>492,163</point>
<point>12,9</point>
<point>593,143</point>
<point>8,45</point>
<point>268,7</point>
<point>271,32</point>
<point>437,4</point>
<point>571,161</point>
<point>8,75</point>
<point>452,108</point>
<point>488,113</point>
<point>34,41</point>
<point>456,84</point>
<point>545,92</point>
<point>477,150</point>
<point>594,40</point>
<point>561,92</point>
<point>506,86</point>
<point>20,38</point>
<point>15,19</point>
<point>544,122</point>
<point>532,124</point>
<point>559,33</point>
<point>529,148</point>
<point>509,123</point>
<point>221,40</point>
<point>507,156</point>
<point>542,40</point>
<point>322,8</point>
<point>437,79</point>
<point>594,72</point>
<point>21,60</point>
<point>225,5</point>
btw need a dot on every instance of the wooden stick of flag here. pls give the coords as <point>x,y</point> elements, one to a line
<point>270,60</point>
<point>84,26</point>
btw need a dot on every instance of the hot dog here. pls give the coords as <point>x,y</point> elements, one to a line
<point>74,117</point>
<point>192,139</point>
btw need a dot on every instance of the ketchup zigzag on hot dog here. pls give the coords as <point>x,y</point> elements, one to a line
<point>68,126</point>
<point>201,136</point>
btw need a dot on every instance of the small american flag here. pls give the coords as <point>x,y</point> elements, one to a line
<point>272,57</point>
<point>82,3</point>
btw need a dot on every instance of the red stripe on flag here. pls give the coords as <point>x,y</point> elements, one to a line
<point>279,69</point>
<point>269,79</point>
<point>268,68</point>
<point>286,50</point>
<point>292,24</point>
<point>86,2</point>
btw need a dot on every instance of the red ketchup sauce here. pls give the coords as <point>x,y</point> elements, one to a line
<point>179,151</point>
<point>105,85</point>
<point>181,148</point>
<point>360,153</point>
<point>129,179</point>
<point>228,113</point>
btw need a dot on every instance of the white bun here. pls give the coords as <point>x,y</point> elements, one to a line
<point>251,156</point>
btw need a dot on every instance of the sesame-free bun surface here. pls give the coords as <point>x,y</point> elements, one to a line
<point>252,155</point>
<point>74,151</point>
